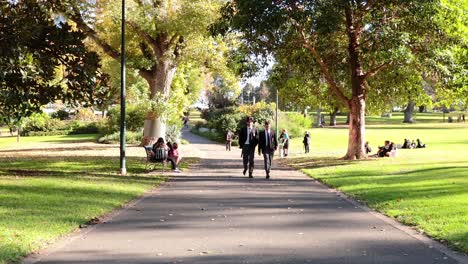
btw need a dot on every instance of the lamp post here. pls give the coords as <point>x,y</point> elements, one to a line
<point>123,169</point>
<point>276,112</point>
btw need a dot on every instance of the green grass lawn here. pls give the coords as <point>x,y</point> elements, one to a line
<point>48,193</point>
<point>425,188</point>
<point>9,142</point>
<point>397,118</point>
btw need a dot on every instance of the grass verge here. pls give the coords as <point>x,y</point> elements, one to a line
<point>424,188</point>
<point>43,197</point>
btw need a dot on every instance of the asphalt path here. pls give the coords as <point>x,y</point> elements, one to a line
<point>213,214</point>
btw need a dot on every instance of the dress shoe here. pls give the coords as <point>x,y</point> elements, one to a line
<point>244,172</point>
<point>250,175</point>
<point>268,175</point>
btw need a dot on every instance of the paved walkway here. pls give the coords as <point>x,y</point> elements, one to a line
<point>214,215</point>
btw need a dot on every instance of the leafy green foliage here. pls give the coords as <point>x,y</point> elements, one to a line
<point>61,114</point>
<point>135,115</point>
<point>42,61</point>
<point>224,119</point>
<point>354,47</point>
<point>131,137</point>
<point>295,123</point>
<point>41,122</point>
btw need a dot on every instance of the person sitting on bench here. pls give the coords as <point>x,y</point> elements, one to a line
<point>161,145</point>
<point>174,153</point>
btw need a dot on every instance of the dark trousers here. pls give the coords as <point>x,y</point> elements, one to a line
<point>248,154</point>
<point>172,161</point>
<point>306,146</point>
<point>267,158</point>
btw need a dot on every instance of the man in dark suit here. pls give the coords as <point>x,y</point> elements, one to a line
<point>267,144</point>
<point>248,140</point>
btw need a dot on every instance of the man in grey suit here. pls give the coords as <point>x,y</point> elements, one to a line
<point>248,139</point>
<point>267,144</point>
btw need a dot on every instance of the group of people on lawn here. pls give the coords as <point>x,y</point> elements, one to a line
<point>389,147</point>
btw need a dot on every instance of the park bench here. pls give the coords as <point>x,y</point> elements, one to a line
<point>160,156</point>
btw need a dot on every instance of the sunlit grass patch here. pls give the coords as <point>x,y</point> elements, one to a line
<point>425,188</point>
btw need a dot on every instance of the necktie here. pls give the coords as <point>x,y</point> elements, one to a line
<point>268,138</point>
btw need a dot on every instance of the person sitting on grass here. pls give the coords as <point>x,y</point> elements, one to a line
<point>367,147</point>
<point>420,144</point>
<point>385,150</point>
<point>412,145</point>
<point>406,144</point>
<point>157,148</point>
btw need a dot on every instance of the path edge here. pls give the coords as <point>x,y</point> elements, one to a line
<point>460,257</point>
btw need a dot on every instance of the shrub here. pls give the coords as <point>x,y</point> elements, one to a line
<point>36,122</point>
<point>295,123</point>
<point>130,138</point>
<point>263,115</point>
<point>173,133</point>
<point>85,128</point>
<point>134,118</point>
<point>225,119</point>
<point>251,110</point>
<point>86,114</point>
<point>61,114</point>
<point>41,122</point>
<point>47,133</point>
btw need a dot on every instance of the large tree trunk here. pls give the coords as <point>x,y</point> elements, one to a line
<point>159,80</point>
<point>409,112</point>
<point>333,117</point>
<point>357,131</point>
<point>319,117</point>
<point>357,104</point>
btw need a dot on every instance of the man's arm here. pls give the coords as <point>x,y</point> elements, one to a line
<point>241,138</point>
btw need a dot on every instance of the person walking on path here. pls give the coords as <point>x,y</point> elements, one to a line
<point>267,144</point>
<point>248,139</point>
<point>306,142</point>
<point>284,139</point>
<point>228,140</point>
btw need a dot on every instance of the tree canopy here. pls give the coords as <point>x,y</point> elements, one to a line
<point>42,60</point>
<point>369,53</point>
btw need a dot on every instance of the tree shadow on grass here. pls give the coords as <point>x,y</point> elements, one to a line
<point>320,162</point>
<point>64,149</point>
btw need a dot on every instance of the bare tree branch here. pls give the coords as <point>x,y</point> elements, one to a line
<point>326,74</point>
<point>374,70</point>
<point>143,34</point>
<point>323,66</point>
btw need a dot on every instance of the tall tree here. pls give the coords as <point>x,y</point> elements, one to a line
<point>162,35</point>
<point>367,38</point>
<point>43,60</point>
